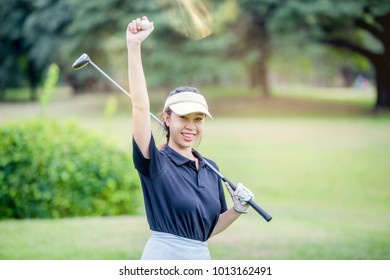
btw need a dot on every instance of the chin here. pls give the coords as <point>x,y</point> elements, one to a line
<point>187,144</point>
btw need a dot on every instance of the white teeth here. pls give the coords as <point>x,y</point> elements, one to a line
<point>188,135</point>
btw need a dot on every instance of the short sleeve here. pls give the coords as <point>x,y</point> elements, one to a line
<point>147,167</point>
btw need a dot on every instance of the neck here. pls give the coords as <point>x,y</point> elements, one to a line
<point>184,151</point>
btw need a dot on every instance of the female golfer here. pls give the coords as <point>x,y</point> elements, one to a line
<point>184,199</point>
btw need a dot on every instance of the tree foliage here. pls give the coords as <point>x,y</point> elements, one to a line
<point>361,27</point>
<point>31,35</point>
<point>245,35</point>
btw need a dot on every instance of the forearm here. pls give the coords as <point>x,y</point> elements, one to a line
<point>225,220</point>
<point>137,82</point>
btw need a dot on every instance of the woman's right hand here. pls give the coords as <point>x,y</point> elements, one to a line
<point>135,35</point>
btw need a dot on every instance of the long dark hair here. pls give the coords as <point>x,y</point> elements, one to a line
<point>169,111</point>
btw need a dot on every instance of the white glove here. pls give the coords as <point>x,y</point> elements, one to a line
<point>240,197</point>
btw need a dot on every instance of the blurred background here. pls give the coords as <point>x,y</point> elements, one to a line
<point>299,91</point>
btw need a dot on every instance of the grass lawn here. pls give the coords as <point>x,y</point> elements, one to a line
<point>325,182</point>
<point>324,179</point>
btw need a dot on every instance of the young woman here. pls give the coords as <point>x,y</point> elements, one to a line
<point>184,199</point>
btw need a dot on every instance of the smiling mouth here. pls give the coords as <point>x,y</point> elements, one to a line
<point>188,136</point>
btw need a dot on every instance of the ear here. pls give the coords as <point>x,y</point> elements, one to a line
<point>167,119</point>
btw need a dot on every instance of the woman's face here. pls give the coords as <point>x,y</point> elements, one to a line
<point>184,129</point>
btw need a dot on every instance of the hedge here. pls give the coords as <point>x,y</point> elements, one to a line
<point>52,169</point>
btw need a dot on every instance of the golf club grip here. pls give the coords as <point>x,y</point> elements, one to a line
<point>253,204</point>
<point>259,210</point>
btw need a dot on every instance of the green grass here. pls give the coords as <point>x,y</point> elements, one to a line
<point>356,96</point>
<point>324,179</point>
<point>325,182</point>
<point>74,239</point>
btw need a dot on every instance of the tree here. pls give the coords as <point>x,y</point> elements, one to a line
<point>30,37</point>
<point>98,29</point>
<point>171,57</point>
<point>255,39</point>
<point>361,27</point>
<point>13,62</point>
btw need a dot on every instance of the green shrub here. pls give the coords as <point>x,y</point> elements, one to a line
<point>51,169</point>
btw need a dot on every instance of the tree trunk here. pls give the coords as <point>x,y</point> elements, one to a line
<point>259,68</point>
<point>263,68</point>
<point>34,77</point>
<point>382,67</point>
<point>2,93</point>
<point>382,70</point>
<point>33,93</point>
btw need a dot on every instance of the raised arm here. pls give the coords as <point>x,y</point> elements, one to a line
<point>142,127</point>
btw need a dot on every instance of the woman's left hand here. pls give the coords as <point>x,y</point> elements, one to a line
<point>240,197</point>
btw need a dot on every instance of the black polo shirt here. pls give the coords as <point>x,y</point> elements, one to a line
<point>179,199</point>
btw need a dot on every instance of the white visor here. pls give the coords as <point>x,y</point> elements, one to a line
<point>185,103</point>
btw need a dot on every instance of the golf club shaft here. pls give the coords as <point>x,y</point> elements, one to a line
<point>258,209</point>
<point>121,88</point>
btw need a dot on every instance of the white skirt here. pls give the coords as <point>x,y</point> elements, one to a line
<point>166,246</point>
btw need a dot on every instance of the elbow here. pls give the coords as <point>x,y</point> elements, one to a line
<point>141,107</point>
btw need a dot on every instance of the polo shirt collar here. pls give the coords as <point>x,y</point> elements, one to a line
<point>179,160</point>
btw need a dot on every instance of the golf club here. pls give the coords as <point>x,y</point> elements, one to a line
<point>84,60</point>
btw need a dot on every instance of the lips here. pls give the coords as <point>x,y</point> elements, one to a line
<point>188,137</point>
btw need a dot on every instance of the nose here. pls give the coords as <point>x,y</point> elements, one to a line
<point>190,125</point>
